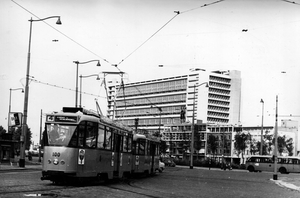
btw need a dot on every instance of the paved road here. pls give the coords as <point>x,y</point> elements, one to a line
<point>173,182</point>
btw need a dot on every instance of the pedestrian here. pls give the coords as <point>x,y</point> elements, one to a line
<point>29,156</point>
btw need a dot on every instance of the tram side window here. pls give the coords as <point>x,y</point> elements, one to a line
<point>118,143</point>
<point>148,148</point>
<point>134,148</point>
<point>142,145</point>
<point>129,143</point>
<point>108,138</point>
<point>81,133</point>
<point>125,143</point>
<point>91,134</point>
<point>100,143</point>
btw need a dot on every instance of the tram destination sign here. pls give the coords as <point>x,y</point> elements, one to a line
<point>58,118</point>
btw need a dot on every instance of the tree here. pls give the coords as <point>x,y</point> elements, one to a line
<point>2,130</point>
<point>197,142</point>
<point>212,144</point>
<point>163,147</point>
<point>289,146</point>
<point>267,147</point>
<point>253,146</point>
<point>281,144</point>
<point>284,145</point>
<point>240,143</point>
<point>16,136</point>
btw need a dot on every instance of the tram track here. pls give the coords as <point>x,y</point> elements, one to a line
<point>40,189</point>
<point>132,186</point>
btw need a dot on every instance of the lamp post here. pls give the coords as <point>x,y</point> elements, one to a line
<point>9,106</point>
<point>77,63</point>
<point>25,127</point>
<point>160,111</point>
<point>81,76</point>
<point>193,123</point>
<point>40,135</point>
<point>262,128</point>
<point>276,142</point>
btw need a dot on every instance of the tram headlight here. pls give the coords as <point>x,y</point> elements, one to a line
<point>62,162</point>
<point>49,161</point>
<point>55,161</point>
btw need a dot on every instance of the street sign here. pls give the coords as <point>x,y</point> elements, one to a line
<point>15,119</point>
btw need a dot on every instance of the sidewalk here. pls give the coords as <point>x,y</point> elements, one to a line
<point>289,182</point>
<point>34,164</point>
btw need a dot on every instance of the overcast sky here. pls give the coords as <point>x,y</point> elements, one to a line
<point>258,37</point>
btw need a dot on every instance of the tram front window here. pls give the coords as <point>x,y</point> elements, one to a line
<point>59,135</point>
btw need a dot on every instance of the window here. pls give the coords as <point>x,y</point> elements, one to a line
<point>129,149</point>
<point>91,134</point>
<point>100,143</point>
<point>81,132</point>
<point>125,143</point>
<point>108,138</point>
<point>60,135</point>
<point>73,142</point>
<point>142,145</point>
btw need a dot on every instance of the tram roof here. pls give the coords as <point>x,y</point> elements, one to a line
<point>84,112</point>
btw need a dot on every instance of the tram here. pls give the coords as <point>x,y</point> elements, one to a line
<point>80,144</point>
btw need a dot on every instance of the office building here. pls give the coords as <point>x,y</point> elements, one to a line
<point>171,100</point>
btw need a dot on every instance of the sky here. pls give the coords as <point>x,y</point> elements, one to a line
<point>260,38</point>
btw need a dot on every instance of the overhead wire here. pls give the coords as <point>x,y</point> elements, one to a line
<point>56,86</point>
<point>177,13</point>
<point>208,4</point>
<point>64,34</point>
<point>293,2</point>
<point>116,65</point>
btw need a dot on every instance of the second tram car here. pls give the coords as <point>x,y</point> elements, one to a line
<point>79,144</point>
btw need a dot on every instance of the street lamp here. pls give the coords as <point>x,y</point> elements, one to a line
<point>81,76</point>
<point>9,106</point>
<point>193,123</point>
<point>276,142</point>
<point>25,127</point>
<point>262,128</point>
<point>77,63</point>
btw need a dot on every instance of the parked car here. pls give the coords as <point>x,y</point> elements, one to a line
<point>169,162</point>
<point>34,152</point>
<point>161,166</point>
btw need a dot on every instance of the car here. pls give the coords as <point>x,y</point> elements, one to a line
<point>169,162</point>
<point>161,166</point>
<point>34,152</point>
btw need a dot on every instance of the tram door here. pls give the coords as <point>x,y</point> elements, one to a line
<point>152,154</point>
<point>117,153</point>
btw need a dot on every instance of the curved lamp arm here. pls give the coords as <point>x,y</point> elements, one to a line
<point>58,22</point>
<point>98,78</point>
<point>98,64</point>
<point>17,89</point>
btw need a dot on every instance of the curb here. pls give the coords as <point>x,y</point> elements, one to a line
<point>286,185</point>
